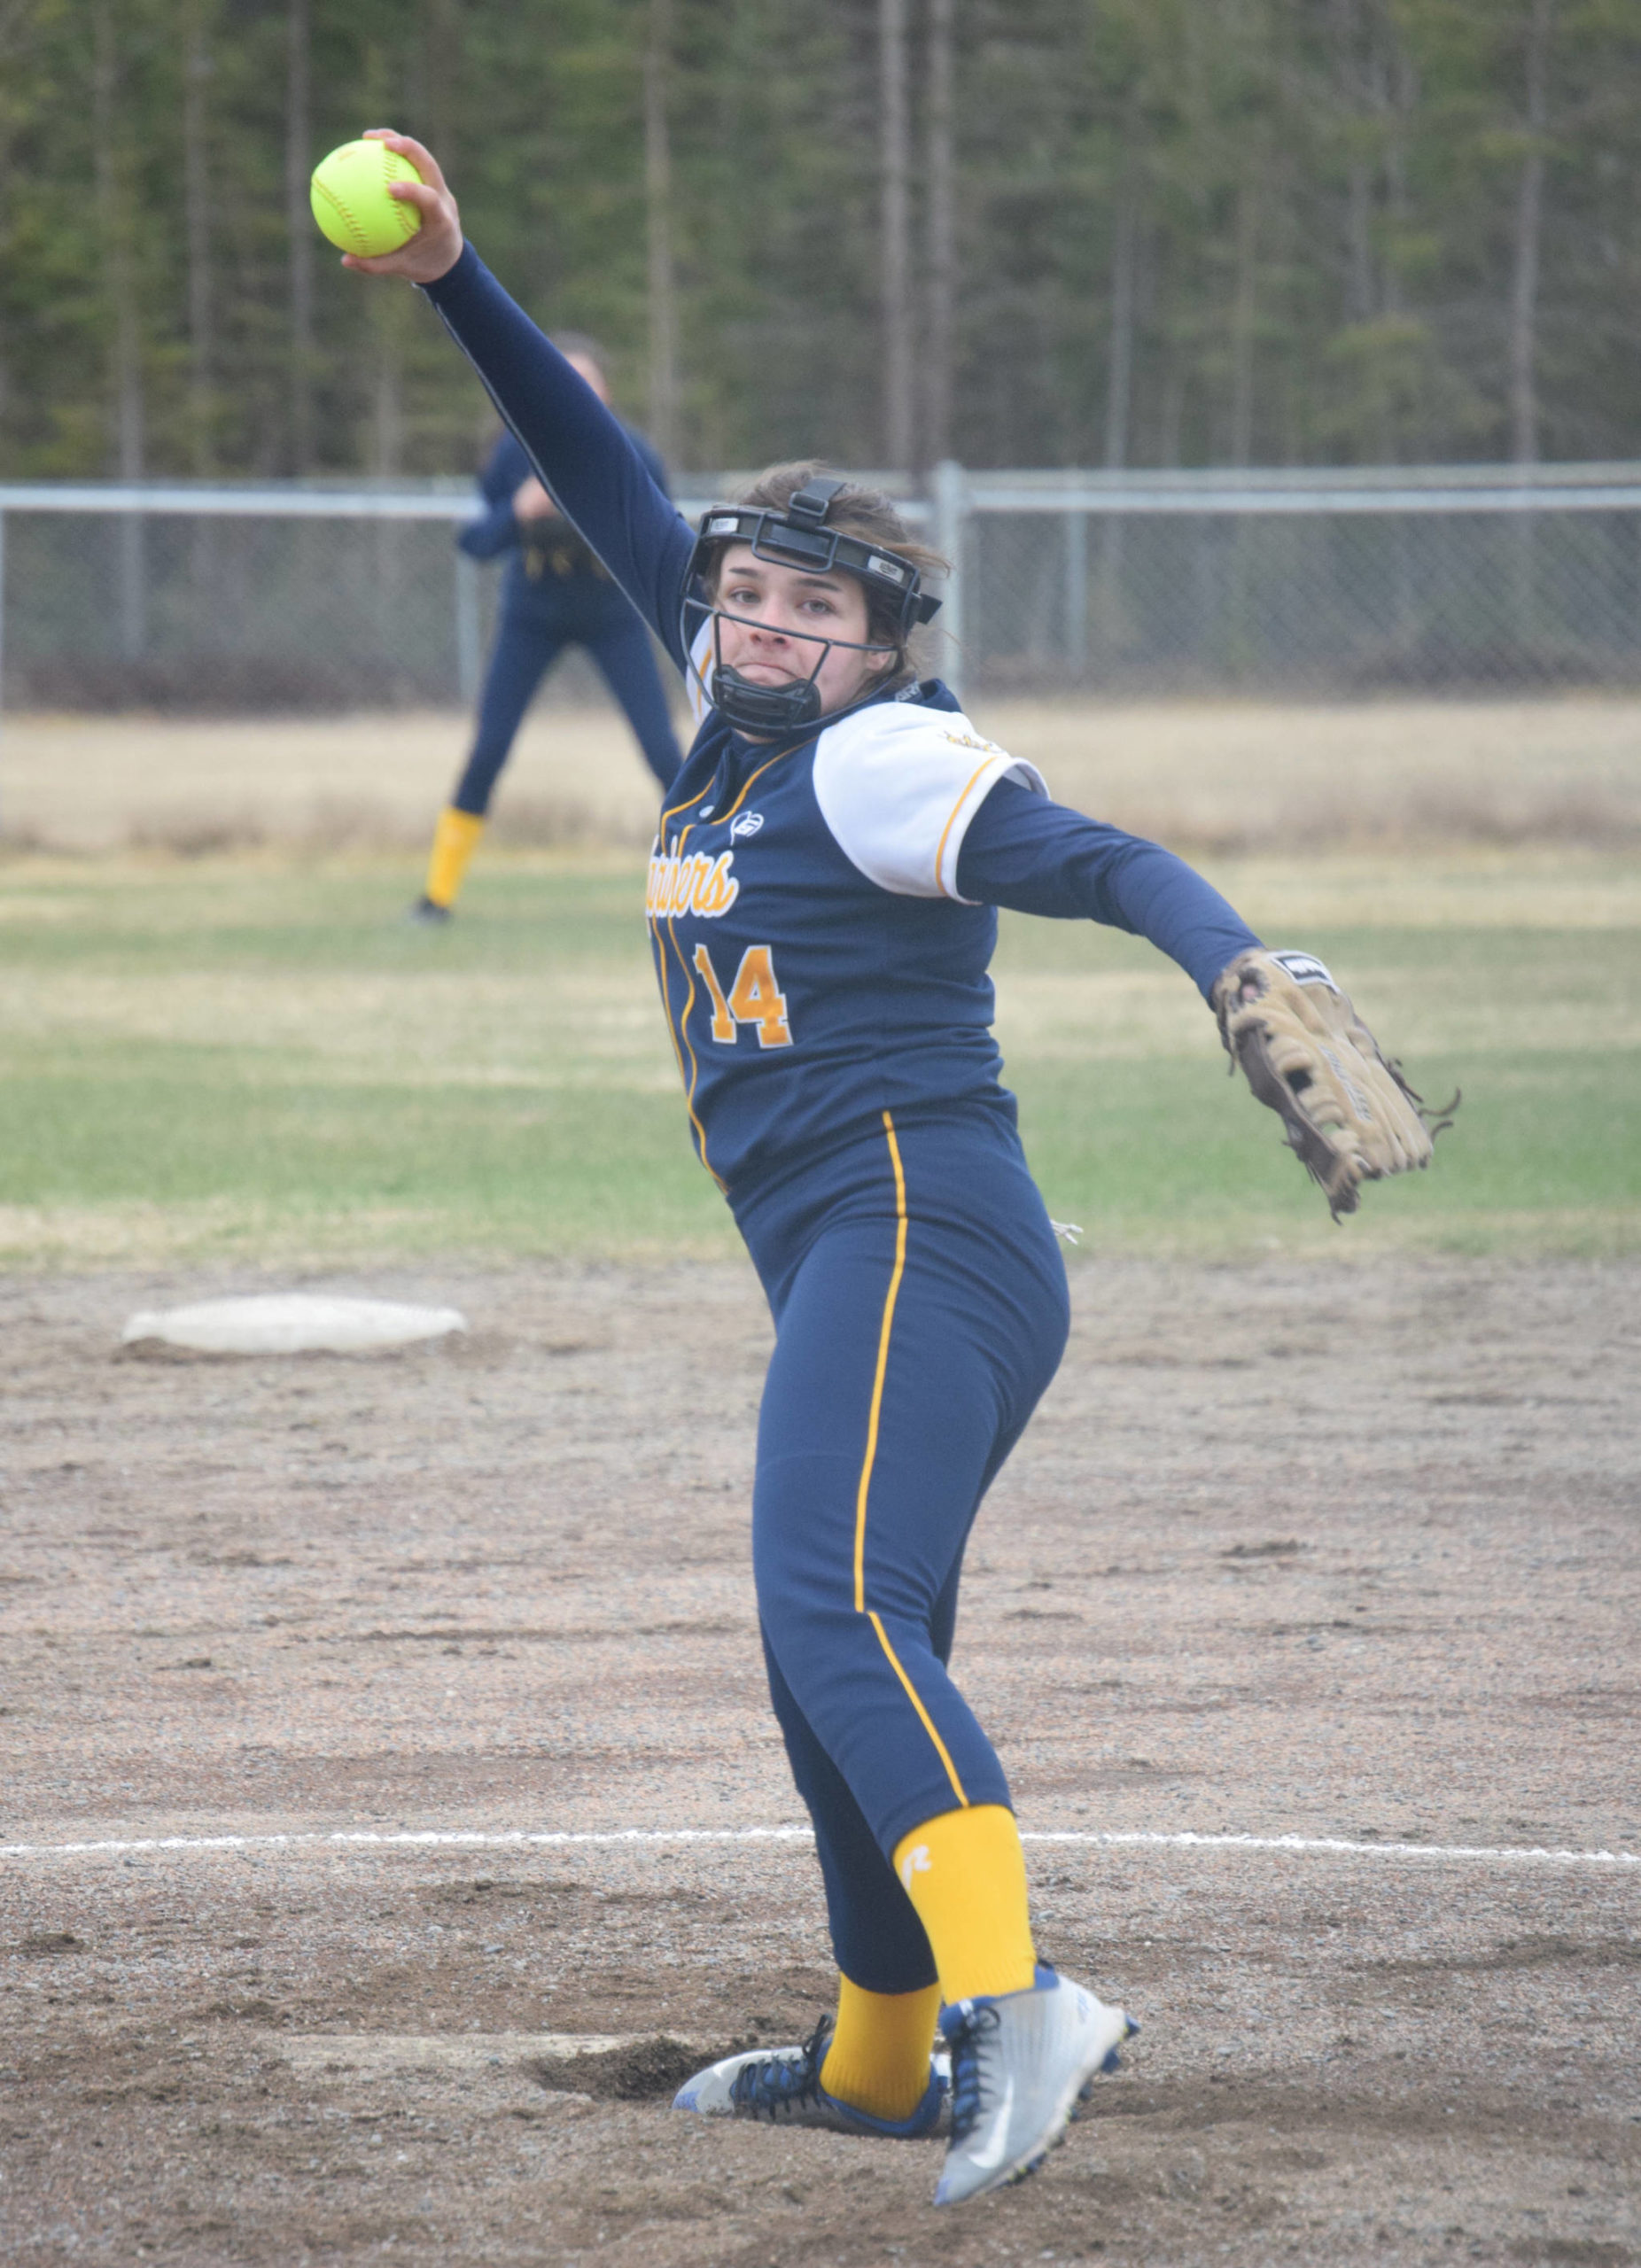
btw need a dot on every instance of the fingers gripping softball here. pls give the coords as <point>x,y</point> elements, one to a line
<point>1349,1114</point>
<point>434,246</point>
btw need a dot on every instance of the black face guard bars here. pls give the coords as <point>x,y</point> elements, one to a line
<point>775,711</point>
<point>798,537</point>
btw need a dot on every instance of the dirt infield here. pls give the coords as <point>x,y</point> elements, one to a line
<point>1333,1551</point>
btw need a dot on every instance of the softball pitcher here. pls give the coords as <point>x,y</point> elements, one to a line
<point>821,906</point>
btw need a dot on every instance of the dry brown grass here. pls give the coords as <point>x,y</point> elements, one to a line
<point>194,789</point>
<point>1247,778</point>
<point>1230,778</point>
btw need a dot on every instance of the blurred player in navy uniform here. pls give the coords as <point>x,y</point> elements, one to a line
<point>553,594</point>
<point>821,903</point>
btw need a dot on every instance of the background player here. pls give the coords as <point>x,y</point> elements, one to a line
<point>821,904</point>
<point>553,594</point>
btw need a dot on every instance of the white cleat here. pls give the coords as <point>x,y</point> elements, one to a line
<point>1020,2063</point>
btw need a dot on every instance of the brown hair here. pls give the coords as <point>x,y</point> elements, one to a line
<point>867,513</point>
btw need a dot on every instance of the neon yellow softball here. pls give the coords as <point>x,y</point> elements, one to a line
<point>350,200</point>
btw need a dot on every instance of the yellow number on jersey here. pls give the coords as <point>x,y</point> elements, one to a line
<point>756,999</point>
<point>723,1023</point>
<point>753,999</point>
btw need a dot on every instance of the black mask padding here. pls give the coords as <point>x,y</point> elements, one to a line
<point>752,708</point>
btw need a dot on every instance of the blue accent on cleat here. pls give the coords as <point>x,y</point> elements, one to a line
<point>781,2086</point>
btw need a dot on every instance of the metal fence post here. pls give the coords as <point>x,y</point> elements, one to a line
<point>466,632</point>
<point>951,506</point>
<point>132,586</point>
<point>2,626</point>
<point>1076,593</point>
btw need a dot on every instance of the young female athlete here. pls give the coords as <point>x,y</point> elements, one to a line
<point>821,906</point>
<point>554,594</point>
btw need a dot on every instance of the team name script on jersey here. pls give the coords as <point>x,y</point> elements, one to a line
<point>699,884</point>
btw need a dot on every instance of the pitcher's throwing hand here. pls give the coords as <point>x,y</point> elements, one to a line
<point>437,246</point>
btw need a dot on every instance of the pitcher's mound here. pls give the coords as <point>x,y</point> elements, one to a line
<point>291,1322</point>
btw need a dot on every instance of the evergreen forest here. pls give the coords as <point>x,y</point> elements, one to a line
<point>1014,232</point>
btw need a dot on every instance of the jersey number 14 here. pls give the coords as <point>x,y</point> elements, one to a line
<point>754,998</point>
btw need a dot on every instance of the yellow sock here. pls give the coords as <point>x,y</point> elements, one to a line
<point>454,839</point>
<point>965,1873</point>
<point>878,2060</point>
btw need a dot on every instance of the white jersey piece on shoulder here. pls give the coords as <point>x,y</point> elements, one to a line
<point>898,785</point>
<point>698,676</point>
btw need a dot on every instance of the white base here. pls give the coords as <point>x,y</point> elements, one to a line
<point>291,1322</point>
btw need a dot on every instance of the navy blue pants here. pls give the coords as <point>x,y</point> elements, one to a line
<point>526,647</point>
<point>921,1310</point>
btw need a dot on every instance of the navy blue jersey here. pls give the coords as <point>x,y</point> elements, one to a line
<point>822,919</point>
<point>817,964</point>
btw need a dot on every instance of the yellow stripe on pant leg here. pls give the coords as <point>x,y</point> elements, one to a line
<point>882,1366</point>
<point>913,1698</point>
<point>871,1458</point>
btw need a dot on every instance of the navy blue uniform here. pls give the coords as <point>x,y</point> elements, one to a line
<point>822,919</point>
<point>553,594</point>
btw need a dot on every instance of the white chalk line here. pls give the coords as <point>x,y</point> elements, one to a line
<point>558,1839</point>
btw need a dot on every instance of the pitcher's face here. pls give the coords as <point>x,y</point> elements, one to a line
<point>776,623</point>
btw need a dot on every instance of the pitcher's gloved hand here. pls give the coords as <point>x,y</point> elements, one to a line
<point>1349,1114</point>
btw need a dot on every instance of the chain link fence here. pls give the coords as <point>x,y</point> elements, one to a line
<point>287,599</point>
<point>1442,582</point>
<point>238,602</point>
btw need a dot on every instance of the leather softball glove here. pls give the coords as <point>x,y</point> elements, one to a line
<point>1349,1114</point>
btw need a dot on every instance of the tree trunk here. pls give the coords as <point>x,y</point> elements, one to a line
<point>658,221</point>
<point>940,347</point>
<point>1120,346</point>
<point>197,70</point>
<point>1119,398</point>
<point>126,420</point>
<point>441,47</point>
<point>1349,91</point>
<point>1242,312</point>
<point>897,262</point>
<point>1403,101</point>
<point>1530,223</point>
<point>300,155</point>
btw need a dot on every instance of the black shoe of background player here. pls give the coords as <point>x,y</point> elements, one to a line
<point>427,913</point>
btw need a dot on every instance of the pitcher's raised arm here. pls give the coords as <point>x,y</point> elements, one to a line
<point>595,475</point>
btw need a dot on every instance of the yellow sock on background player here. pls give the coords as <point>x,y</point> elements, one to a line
<point>455,837</point>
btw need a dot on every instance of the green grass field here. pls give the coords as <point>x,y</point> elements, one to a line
<point>247,1057</point>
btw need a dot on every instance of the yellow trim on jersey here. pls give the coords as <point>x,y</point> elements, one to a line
<point>674,810</point>
<point>667,1006</point>
<point>683,1033</point>
<point>952,821</point>
<point>752,783</point>
<point>669,919</point>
